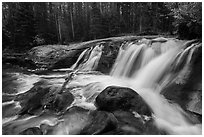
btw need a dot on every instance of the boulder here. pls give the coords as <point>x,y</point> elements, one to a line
<point>60,102</point>
<point>188,94</point>
<point>32,131</point>
<point>54,56</point>
<point>31,101</point>
<point>67,61</point>
<point>72,122</point>
<point>108,57</point>
<point>42,96</point>
<point>129,124</point>
<point>101,122</point>
<point>120,98</point>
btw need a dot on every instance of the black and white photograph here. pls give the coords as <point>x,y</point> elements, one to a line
<point>101,68</point>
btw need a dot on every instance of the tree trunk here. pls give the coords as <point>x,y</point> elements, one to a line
<point>133,18</point>
<point>59,25</point>
<point>56,24</point>
<point>155,6</point>
<point>71,17</point>
<point>60,33</point>
<point>141,18</point>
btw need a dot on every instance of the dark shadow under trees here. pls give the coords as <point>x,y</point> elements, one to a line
<point>29,24</point>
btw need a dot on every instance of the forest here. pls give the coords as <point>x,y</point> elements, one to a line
<point>29,24</point>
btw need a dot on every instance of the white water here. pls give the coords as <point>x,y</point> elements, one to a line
<point>80,57</point>
<point>93,59</point>
<point>25,82</point>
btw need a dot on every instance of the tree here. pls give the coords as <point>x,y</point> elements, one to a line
<point>188,19</point>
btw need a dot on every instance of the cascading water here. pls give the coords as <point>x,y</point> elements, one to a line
<point>79,59</point>
<point>129,58</point>
<point>167,116</point>
<point>90,62</point>
<point>142,66</point>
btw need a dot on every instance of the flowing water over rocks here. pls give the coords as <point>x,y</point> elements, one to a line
<point>134,87</point>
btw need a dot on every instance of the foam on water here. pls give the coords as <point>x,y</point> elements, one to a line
<point>25,82</point>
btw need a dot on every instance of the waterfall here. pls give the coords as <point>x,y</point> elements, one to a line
<point>81,56</point>
<point>152,73</point>
<point>90,62</point>
<point>127,59</point>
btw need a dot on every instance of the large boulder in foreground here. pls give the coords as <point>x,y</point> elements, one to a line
<point>120,98</point>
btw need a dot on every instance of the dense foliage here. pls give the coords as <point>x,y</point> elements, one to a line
<point>28,24</point>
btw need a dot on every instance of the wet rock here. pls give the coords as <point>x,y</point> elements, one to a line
<point>9,85</point>
<point>192,89</point>
<point>65,62</point>
<point>9,110</point>
<point>193,117</point>
<point>31,102</point>
<point>72,122</point>
<point>188,94</point>
<point>6,98</point>
<point>75,120</point>
<point>60,102</point>
<point>151,129</point>
<point>101,122</point>
<point>46,129</point>
<point>75,109</point>
<point>54,56</point>
<point>129,124</point>
<point>44,96</point>
<point>195,103</point>
<point>115,98</point>
<point>32,131</point>
<point>108,57</point>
